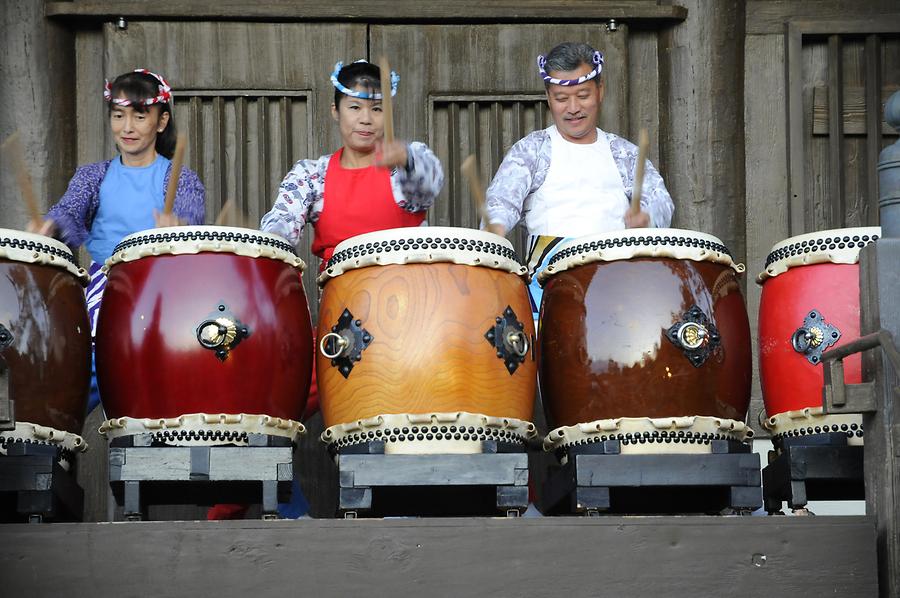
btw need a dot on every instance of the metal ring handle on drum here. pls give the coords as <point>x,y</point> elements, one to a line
<point>804,340</point>
<point>213,334</point>
<point>513,338</point>
<point>693,335</point>
<point>342,342</point>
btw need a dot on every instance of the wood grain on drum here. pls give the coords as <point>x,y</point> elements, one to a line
<point>604,351</point>
<point>429,352</point>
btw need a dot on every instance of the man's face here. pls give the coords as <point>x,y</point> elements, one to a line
<point>575,107</point>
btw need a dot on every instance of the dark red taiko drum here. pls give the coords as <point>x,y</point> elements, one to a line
<point>204,320</point>
<point>644,337</point>
<point>809,304</point>
<point>45,339</point>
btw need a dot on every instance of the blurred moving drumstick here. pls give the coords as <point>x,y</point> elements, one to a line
<point>227,215</point>
<point>177,161</point>
<point>470,172</point>
<point>386,100</point>
<point>13,148</point>
<point>643,149</point>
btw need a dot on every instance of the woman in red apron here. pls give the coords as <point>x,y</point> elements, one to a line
<point>366,185</point>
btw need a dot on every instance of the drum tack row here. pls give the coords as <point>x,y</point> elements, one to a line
<point>426,340</point>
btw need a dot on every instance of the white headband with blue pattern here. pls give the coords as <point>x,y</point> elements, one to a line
<point>597,59</point>
<point>362,95</point>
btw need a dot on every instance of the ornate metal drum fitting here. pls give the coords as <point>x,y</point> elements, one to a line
<point>695,335</point>
<point>814,337</point>
<point>508,337</point>
<point>221,332</point>
<point>345,343</point>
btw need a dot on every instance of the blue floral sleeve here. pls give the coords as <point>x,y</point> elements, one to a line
<point>416,186</point>
<point>655,198</point>
<point>298,201</point>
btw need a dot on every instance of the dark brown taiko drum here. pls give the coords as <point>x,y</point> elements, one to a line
<point>425,342</point>
<point>644,338</point>
<point>45,339</point>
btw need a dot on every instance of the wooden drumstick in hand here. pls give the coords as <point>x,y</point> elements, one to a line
<point>13,147</point>
<point>227,215</point>
<point>643,149</point>
<point>470,172</point>
<point>174,177</point>
<point>386,100</point>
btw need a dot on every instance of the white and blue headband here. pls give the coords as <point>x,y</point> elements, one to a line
<point>362,95</point>
<point>597,59</point>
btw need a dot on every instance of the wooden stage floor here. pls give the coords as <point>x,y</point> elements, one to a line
<point>655,557</point>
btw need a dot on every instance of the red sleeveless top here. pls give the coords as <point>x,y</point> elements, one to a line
<point>357,201</point>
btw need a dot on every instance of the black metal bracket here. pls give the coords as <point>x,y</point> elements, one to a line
<point>345,343</point>
<point>695,335</point>
<point>507,335</point>
<point>221,332</point>
<point>814,337</point>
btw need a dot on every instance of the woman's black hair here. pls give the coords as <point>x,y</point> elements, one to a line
<point>365,74</point>
<point>138,87</point>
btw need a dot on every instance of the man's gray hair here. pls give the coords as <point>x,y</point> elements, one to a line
<point>568,56</point>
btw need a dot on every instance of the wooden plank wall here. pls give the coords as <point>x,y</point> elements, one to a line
<point>773,213</point>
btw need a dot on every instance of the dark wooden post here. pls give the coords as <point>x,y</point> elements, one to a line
<point>880,288</point>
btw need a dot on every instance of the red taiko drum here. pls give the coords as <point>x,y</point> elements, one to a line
<point>45,340</point>
<point>204,334</point>
<point>644,338</point>
<point>426,342</point>
<point>809,304</point>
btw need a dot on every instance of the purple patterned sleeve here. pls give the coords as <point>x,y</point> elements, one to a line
<point>190,198</point>
<point>655,198</point>
<point>74,212</point>
<point>521,173</point>
<point>298,201</point>
<point>415,188</point>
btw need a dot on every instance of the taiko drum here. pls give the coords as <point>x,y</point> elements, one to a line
<point>204,320</point>
<point>425,332</point>
<point>45,337</point>
<point>809,304</point>
<point>644,335</point>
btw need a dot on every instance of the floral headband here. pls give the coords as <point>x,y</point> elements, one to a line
<point>597,59</point>
<point>362,95</point>
<point>164,95</point>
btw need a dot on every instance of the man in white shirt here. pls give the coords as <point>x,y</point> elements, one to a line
<point>572,179</point>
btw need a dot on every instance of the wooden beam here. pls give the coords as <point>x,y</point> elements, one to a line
<point>862,107</point>
<point>769,16</point>
<point>835,132</point>
<point>396,11</point>
<point>552,556</point>
<point>873,124</point>
<point>793,79</point>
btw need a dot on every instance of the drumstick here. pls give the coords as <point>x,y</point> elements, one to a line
<point>643,148</point>
<point>470,171</point>
<point>226,215</point>
<point>177,161</point>
<point>386,105</point>
<point>13,146</point>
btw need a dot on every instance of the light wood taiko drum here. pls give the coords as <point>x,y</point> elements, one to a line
<point>426,341</point>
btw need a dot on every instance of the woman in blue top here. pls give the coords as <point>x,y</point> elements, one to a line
<point>108,200</point>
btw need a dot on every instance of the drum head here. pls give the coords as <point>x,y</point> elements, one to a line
<point>423,245</point>
<point>187,240</point>
<point>29,248</point>
<point>837,246</point>
<point>637,243</point>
